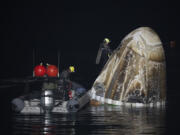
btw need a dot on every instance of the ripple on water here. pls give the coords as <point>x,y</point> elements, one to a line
<point>111,120</point>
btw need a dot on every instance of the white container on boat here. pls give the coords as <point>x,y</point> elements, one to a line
<point>47,100</point>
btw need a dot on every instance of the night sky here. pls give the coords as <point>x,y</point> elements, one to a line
<point>76,29</point>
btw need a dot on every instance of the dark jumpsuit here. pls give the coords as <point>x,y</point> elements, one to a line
<point>65,82</point>
<point>106,52</point>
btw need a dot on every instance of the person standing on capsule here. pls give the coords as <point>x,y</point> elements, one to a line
<point>104,52</point>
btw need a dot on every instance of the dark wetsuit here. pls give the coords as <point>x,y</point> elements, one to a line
<point>106,52</point>
<point>65,83</point>
<point>65,75</point>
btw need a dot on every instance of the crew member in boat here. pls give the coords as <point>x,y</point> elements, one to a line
<point>65,81</point>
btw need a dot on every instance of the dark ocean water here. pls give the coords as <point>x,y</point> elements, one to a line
<point>91,120</point>
<point>111,120</point>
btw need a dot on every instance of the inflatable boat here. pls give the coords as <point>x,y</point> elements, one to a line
<point>51,99</point>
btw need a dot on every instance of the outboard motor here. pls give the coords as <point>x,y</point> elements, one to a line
<point>47,100</point>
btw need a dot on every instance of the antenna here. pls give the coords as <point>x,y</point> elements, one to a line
<point>34,53</point>
<point>58,55</point>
